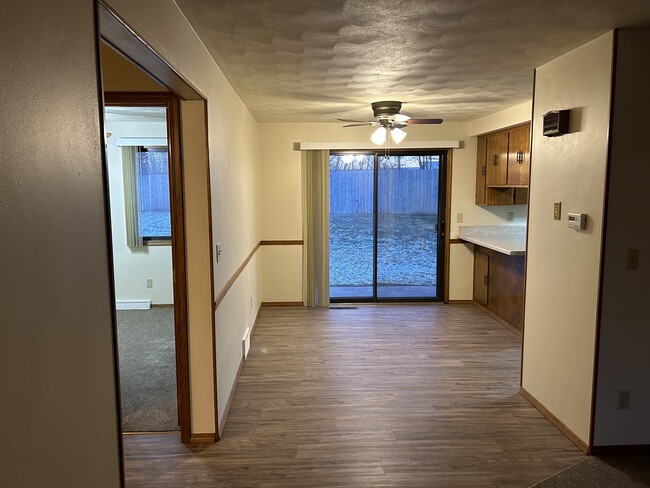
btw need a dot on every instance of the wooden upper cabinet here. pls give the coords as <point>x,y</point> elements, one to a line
<point>497,159</point>
<point>519,156</point>
<point>503,166</point>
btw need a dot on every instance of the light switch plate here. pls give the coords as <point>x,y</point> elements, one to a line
<point>557,211</point>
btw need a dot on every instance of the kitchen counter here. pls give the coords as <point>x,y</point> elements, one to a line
<point>506,239</point>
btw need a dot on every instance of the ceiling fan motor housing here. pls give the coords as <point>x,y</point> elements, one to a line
<point>387,108</point>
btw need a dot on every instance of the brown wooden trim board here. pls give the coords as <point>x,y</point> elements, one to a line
<point>554,420</point>
<point>282,243</point>
<point>282,304</point>
<point>203,438</point>
<point>226,288</point>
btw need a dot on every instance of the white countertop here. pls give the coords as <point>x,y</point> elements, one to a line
<point>507,239</point>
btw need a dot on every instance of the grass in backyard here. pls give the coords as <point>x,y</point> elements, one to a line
<point>406,249</point>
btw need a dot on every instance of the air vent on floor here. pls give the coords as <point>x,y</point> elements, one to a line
<point>344,308</point>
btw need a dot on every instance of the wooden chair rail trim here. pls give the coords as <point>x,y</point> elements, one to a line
<point>282,243</point>
<point>233,278</point>
<point>554,420</point>
<point>457,241</point>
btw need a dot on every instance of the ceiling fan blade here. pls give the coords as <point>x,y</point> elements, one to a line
<point>424,121</point>
<point>365,124</point>
<point>348,120</point>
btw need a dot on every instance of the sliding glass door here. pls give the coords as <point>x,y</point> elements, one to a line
<point>386,226</point>
<point>352,226</point>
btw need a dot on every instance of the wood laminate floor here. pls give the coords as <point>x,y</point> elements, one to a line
<point>382,396</point>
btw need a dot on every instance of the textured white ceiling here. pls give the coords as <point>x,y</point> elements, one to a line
<point>316,60</point>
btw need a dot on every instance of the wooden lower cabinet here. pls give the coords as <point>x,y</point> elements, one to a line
<point>481,277</point>
<point>499,284</point>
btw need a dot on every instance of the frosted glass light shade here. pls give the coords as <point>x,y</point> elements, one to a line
<point>379,136</point>
<point>398,135</point>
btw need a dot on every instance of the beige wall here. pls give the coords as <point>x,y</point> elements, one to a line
<point>57,354</point>
<point>562,263</point>
<point>624,361</point>
<point>233,153</point>
<point>511,116</point>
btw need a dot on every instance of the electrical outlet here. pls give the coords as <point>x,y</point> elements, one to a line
<point>557,211</point>
<point>459,218</point>
<point>149,283</point>
<point>510,216</point>
<point>251,302</point>
<point>623,399</point>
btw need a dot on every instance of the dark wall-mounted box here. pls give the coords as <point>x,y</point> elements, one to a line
<point>556,123</point>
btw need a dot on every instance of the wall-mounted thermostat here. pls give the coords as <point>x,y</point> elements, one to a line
<point>577,220</point>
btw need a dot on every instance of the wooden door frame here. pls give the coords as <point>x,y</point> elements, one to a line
<point>172,104</point>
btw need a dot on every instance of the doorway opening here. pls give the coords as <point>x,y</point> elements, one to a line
<point>387,226</point>
<point>139,201</point>
<point>133,75</point>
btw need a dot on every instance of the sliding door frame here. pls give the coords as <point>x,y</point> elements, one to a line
<point>444,199</point>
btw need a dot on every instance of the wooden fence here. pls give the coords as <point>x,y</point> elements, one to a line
<point>154,192</point>
<point>405,191</point>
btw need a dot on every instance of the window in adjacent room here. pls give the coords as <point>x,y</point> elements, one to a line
<point>146,185</point>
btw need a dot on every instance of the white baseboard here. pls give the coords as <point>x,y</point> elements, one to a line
<point>133,304</point>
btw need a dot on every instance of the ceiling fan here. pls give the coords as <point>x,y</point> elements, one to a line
<point>388,120</point>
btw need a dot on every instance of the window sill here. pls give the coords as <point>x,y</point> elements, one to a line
<point>158,242</point>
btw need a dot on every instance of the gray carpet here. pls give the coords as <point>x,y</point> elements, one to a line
<point>620,471</point>
<point>147,370</point>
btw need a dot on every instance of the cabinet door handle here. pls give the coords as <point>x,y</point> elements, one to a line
<point>495,159</point>
<point>520,156</point>
<point>486,280</point>
<point>483,171</point>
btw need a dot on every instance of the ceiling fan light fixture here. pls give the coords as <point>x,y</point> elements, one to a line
<point>379,136</point>
<point>397,135</point>
<point>401,117</point>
